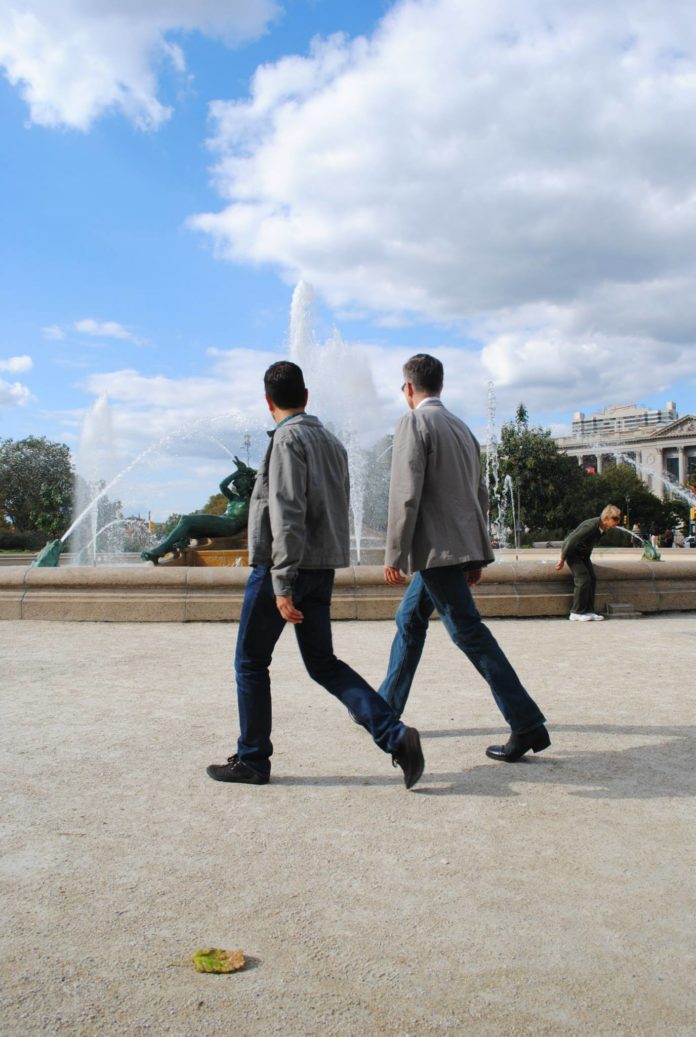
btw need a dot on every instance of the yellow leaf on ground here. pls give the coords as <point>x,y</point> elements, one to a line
<point>215,959</point>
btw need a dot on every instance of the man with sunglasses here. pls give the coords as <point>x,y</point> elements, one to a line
<point>437,531</point>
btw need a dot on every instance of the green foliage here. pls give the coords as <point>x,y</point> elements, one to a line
<point>555,494</point>
<point>620,485</point>
<point>216,505</point>
<point>36,485</point>
<point>547,483</point>
<point>163,529</point>
<point>18,542</point>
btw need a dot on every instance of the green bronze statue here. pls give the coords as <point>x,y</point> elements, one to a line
<point>193,527</point>
<point>48,556</point>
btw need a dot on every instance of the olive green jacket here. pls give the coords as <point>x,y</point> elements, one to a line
<point>580,542</point>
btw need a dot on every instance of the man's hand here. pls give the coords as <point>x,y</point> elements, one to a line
<point>287,610</point>
<point>394,577</point>
<point>473,577</point>
<point>559,565</point>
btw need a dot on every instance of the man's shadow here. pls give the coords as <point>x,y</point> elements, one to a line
<point>657,769</point>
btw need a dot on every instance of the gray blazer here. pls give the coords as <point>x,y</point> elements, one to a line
<point>437,499</point>
<point>298,512</point>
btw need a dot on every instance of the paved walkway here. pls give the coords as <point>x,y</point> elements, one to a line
<point>550,897</point>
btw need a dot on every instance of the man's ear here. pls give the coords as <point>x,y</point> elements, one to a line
<point>269,401</point>
<point>306,397</point>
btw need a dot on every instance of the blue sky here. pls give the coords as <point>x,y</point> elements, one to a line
<point>508,185</point>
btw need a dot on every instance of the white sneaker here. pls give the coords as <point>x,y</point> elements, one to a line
<point>596,617</point>
<point>580,617</point>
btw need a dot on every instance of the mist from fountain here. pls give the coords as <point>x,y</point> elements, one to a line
<point>492,460</point>
<point>342,391</point>
<point>342,394</point>
<point>159,446</point>
<point>117,548</point>
<point>502,497</point>
<point>94,461</point>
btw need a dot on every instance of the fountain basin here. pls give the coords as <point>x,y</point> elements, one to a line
<point>181,594</point>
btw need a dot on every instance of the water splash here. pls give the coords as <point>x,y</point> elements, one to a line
<point>342,394</point>
<point>683,492</point>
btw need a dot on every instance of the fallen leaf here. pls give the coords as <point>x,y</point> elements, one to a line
<point>215,959</point>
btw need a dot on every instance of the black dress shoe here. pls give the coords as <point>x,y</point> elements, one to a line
<point>235,770</point>
<point>517,745</point>
<point>409,756</point>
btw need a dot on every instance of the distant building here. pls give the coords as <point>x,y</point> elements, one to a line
<point>658,443</point>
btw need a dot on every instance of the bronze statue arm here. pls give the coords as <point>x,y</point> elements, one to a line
<point>225,490</point>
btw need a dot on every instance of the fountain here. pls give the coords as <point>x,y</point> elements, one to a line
<point>503,498</point>
<point>342,394</point>
<point>114,549</point>
<point>49,556</point>
<point>684,492</point>
<point>492,462</point>
<point>344,397</point>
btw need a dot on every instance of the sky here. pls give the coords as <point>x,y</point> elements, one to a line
<point>509,185</point>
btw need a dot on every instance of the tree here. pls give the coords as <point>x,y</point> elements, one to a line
<point>216,505</point>
<point>36,485</point>
<point>547,485</point>
<point>163,529</point>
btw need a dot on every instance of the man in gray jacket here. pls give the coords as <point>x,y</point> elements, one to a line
<point>298,536</point>
<point>437,530</point>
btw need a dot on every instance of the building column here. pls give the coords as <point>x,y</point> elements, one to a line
<point>599,464</point>
<point>682,465</point>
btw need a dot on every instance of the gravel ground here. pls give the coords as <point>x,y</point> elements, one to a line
<point>554,896</point>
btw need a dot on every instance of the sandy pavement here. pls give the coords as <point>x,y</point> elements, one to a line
<point>550,897</point>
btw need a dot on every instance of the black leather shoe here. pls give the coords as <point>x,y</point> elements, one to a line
<point>409,756</point>
<point>235,770</point>
<point>517,745</point>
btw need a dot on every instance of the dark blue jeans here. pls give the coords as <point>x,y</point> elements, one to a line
<point>446,590</point>
<point>260,626</point>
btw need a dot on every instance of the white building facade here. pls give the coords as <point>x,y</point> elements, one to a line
<point>658,443</point>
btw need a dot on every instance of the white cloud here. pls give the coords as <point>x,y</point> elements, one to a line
<point>13,394</point>
<point>103,329</point>
<point>53,331</point>
<point>184,413</point>
<point>73,60</point>
<point>522,170</point>
<point>17,364</point>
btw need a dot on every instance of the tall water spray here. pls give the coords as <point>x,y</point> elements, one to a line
<point>342,393</point>
<point>94,463</point>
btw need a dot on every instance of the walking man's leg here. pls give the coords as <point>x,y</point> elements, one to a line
<point>412,618</point>
<point>260,626</point>
<point>451,595</point>
<point>312,596</point>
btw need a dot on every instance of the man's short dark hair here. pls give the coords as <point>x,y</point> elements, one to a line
<point>425,373</point>
<point>284,385</point>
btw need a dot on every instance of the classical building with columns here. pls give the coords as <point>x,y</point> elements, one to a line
<point>660,444</point>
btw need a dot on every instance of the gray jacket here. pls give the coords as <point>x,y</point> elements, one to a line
<point>298,513</point>
<point>437,499</point>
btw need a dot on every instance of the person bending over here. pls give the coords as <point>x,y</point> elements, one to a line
<point>575,552</point>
